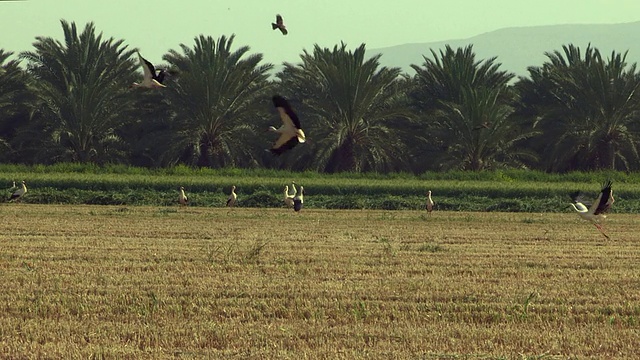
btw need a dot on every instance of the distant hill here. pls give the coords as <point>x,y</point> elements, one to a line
<point>520,47</point>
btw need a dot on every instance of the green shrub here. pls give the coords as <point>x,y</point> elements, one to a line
<point>99,198</point>
<point>343,202</point>
<point>261,199</point>
<point>394,203</point>
<point>507,205</point>
<point>503,190</point>
<point>50,196</point>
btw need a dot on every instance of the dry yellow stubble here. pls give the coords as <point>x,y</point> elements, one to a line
<point>148,282</point>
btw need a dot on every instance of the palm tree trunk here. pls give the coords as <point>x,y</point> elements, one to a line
<point>204,160</point>
<point>346,157</point>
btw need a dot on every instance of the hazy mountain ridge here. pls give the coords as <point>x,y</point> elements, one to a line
<point>517,48</point>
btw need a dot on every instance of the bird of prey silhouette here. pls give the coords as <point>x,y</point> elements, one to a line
<point>279,24</point>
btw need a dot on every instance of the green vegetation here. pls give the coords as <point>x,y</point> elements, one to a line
<point>70,101</point>
<point>509,190</point>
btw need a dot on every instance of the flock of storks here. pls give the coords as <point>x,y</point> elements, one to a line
<point>294,200</point>
<point>291,134</point>
<point>594,212</point>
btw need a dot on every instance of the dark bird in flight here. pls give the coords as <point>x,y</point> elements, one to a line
<point>279,24</point>
<point>290,131</point>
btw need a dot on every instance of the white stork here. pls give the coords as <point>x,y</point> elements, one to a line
<point>182,197</point>
<point>291,133</point>
<point>298,199</point>
<point>429,203</point>
<point>596,212</point>
<point>13,188</point>
<point>231,201</point>
<point>19,193</point>
<point>152,78</point>
<point>288,199</point>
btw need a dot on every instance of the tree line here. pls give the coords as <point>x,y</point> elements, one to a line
<point>71,101</point>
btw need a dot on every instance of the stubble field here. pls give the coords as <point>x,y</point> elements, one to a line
<point>163,282</point>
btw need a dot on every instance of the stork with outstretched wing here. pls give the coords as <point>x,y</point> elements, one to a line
<point>290,131</point>
<point>596,212</point>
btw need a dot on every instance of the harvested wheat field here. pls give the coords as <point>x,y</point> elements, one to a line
<point>150,282</point>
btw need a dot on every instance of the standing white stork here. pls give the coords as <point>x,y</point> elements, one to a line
<point>19,193</point>
<point>182,197</point>
<point>291,133</point>
<point>288,199</point>
<point>596,211</point>
<point>13,188</point>
<point>429,203</point>
<point>231,201</point>
<point>152,78</point>
<point>294,191</point>
<point>298,199</point>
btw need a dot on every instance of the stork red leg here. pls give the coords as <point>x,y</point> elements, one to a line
<point>599,227</point>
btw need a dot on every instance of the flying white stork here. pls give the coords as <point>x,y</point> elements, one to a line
<point>288,199</point>
<point>182,197</point>
<point>429,203</point>
<point>596,212</point>
<point>298,199</point>
<point>231,201</point>
<point>291,133</point>
<point>19,193</point>
<point>152,78</point>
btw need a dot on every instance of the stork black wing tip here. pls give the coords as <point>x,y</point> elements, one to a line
<point>279,101</point>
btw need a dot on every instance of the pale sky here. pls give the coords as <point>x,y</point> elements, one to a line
<point>159,25</point>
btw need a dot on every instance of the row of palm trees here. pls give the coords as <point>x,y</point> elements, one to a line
<point>72,101</point>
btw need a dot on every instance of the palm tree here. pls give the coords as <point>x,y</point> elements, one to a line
<point>457,97</point>
<point>217,97</point>
<point>445,77</point>
<point>587,107</point>
<point>487,135</point>
<point>82,87</point>
<point>350,104</point>
<point>15,101</point>
<point>150,130</point>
